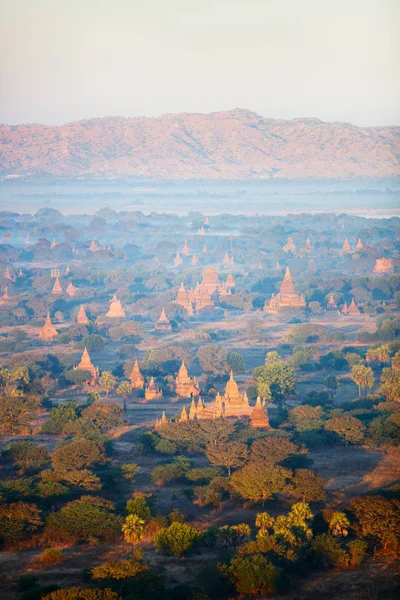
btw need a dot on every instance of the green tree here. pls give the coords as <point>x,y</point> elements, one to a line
<point>339,524</point>
<point>308,486</point>
<point>273,450</point>
<point>228,455</point>
<point>133,529</point>
<point>332,384</point>
<point>377,356</point>
<point>138,505</point>
<point>25,455</point>
<point>107,382</point>
<point>77,593</point>
<point>254,575</point>
<point>349,428</point>
<point>235,361</point>
<point>277,375</point>
<point>216,431</point>
<point>377,518</point>
<point>390,384</point>
<point>212,359</point>
<point>177,539</point>
<point>260,482</point>
<point>363,377</point>
<point>79,454</point>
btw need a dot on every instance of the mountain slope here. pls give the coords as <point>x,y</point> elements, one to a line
<point>236,144</point>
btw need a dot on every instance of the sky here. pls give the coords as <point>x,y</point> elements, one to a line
<point>337,60</point>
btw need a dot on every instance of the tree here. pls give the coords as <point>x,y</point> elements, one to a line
<point>390,384</point>
<point>103,417</point>
<point>212,359</point>
<point>328,551</point>
<point>17,521</point>
<point>308,486</point>
<point>129,471</point>
<point>133,529</point>
<point>353,359</point>
<point>254,575</point>
<point>332,384</point>
<point>235,361</point>
<point>377,518</point>
<point>77,593</point>
<point>377,356</point>
<point>273,450</point>
<point>216,431</point>
<point>107,382</point>
<point>306,417</point>
<point>16,413</point>
<point>79,454</point>
<point>277,375</point>
<point>349,428</point>
<point>396,361</point>
<point>119,569</point>
<point>138,505</point>
<point>260,482</point>
<point>363,377</point>
<point>339,524</point>
<point>228,455</point>
<point>25,455</point>
<point>177,539</point>
<point>124,389</point>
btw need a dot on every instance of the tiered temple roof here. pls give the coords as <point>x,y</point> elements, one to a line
<point>82,316</point>
<point>87,365</point>
<point>185,386</point>
<point>353,308</point>
<point>177,260</point>
<point>57,289</point>
<point>5,297</point>
<point>115,310</point>
<point>287,297</point>
<point>359,245</point>
<point>345,309</point>
<point>163,323</point>
<point>290,246</point>
<point>48,331</point>
<point>258,417</point>
<point>183,299</point>
<point>8,275</point>
<point>331,304</point>
<point>383,265</point>
<point>136,378</point>
<point>346,248</point>
<point>201,230</point>
<point>94,246</point>
<point>152,392</point>
<point>185,250</point>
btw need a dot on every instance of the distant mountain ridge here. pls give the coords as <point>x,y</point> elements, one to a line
<point>236,144</point>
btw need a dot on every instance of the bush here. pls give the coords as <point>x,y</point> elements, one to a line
<point>51,556</point>
<point>177,539</point>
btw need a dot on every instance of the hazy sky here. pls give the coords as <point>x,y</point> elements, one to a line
<point>63,60</point>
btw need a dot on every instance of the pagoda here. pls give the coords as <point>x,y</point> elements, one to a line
<point>163,323</point>
<point>162,421</point>
<point>57,289</point>
<point>67,270</point>
<point>194,260</point>
<point>53,244</point>
<point>260,265</point>
<point>182,299</point>
<point>331,304</point>
<point>201,231</point>
<point>383,265</point>
<point>345,309</point>
<point>185,249</point>
<point>353,309</point>
<point>258,417</point>
<point>359,245</point>
<point>48,331</point>
<point>346,248</point>
<point>193,411</point>
<point>204,251</point>
<point>27,239</point>
<point>115,311</point>
<point>177,260</point>
<point>184,416</point>
<point>290,246</point>
<point>71,289</point>
<point>8,275</point>
<point>235,405</point>
<point>136,378</point>
<point>185,386</point>
<point>87,365</point>
<point>94,246</point>
<point>287,297</point>
<point>308,244</point>
<point>5,297</point>
<point>230,282</point>
<point>152,392</point>
<point>227,259</point>
<point>82,317</point>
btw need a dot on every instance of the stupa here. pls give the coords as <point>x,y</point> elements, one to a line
<point>57,289</point>
<point>209,291</point>
<point>184,416</point>
<point>67,270</point>
<point>94,246</point>
<point>185,249</point>
<point>308,244</point>
<point>260,265</point>
<point>152,392</point>
<point>136,378</point>
<point>71,289</point>
<point>162,421</point>
<point>346,248</point>
<point>194,260</point>
<point>227,260</point>
<point>235,405</point>
<point>163,323</point>
<point>86,365</point>
<point>230,282</point>
<point>204,251</point>
<point>206,221</point>
<point>353,309</point>
<point>48,331</point>
<point>82,317</point>
<point>185,386</point>
<point>201,231</point>
<point>8,275</point>
<point>53,244</point>
<point>259,417</point>
<point>182,298</point>
<point>359,245</point>
<point>287,297</point>
<point>331,303</point>
<point>290,246</point>
<point>177,260</point>
<point>345,309</point>
<point>383,265</point>
<point>115,311</point>
<point>5,297</point>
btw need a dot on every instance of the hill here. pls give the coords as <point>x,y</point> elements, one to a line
<point>236,144</point>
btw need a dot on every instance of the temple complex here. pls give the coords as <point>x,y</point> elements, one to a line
<point>185,249</point>
<point>152,392</point>
<point>359,245</point>
<point>331,304</point>
<point>48,331</point>
<point>383,265</point>
<point>177,260</point>
<point>287,297</point>
<point>353,309</point>
<point>163,323</point>
<point>136,378</point>
<point>115,311</point>
<point>346,248</point>
<point>57,289</point>
<point>290,246</point>
<point>71,289</point>
<point>94,246</point>
<point>258,417</point>
<point>185,386</point>
<point>82,317</point>
<point>87,365</point>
